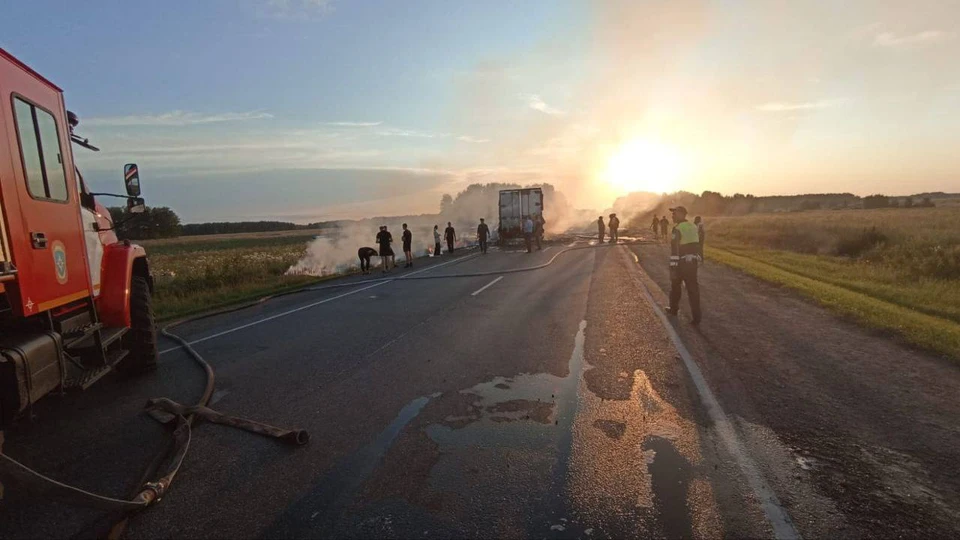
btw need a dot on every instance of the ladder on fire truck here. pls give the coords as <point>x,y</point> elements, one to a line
<point>91,348</point>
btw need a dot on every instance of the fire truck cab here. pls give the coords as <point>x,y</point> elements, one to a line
<point>74,301</point>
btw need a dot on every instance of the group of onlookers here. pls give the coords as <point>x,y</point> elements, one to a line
<point>385,239</point>
<point>532,232</point>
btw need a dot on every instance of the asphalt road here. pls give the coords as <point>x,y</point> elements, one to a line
<point>549,403</point>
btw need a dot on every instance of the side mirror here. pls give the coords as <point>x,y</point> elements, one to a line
<point>136,205</point>
<point>131,177</point>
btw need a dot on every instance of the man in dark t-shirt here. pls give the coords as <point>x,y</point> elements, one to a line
<point>384,238</point>
<point>407,238</point>
<point>483,231</point>
<point>365,253</point>
<point>451,236</point>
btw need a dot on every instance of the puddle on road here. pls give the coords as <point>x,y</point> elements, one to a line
<point>506,455</point>
<point>544,453</point>
<point>609,464</point>
<point>522,412</point>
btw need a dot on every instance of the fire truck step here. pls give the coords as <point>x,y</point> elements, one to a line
<point>90,376</point>
<point>107,336</point>
<point>86,379</point>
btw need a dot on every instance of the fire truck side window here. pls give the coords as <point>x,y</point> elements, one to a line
<point>30,149</point>
<point>40,148</point>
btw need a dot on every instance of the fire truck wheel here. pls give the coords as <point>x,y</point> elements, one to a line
<point>141,339</point>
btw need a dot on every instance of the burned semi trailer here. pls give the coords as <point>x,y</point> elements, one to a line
<point>516,205</point>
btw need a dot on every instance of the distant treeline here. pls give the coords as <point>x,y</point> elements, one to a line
<point>232,227</point>
<point>153,222</point>
<point>642,206</point>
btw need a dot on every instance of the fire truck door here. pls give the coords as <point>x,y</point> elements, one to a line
<point>51,255</point>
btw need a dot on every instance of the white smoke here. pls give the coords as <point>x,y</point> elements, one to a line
<point>326,256</point>
<point>337,252</point>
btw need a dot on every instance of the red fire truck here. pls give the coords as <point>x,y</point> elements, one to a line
<point>74,301</point>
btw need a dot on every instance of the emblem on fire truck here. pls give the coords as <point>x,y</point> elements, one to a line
<point>60,261</point>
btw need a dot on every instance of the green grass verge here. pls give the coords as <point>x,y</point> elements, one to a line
<point>937,297</point>
<point>171,309</point>
<point>921,329</point>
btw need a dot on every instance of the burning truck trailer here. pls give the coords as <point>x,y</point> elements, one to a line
<point>516,205</point>
<point>75,302</point>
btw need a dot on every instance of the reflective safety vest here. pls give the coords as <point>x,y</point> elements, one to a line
<point>688,233</point>
<point>688,246</point>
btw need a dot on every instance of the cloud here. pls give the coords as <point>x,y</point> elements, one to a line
<point>298,9</point>
<point>536,103</point>
<point>396,132</point>
<point>927,37</point>
<point>175,118</point>
<point>779,106</point>
<point>353,124</point>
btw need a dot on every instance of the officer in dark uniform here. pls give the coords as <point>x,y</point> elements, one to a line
<point>684,259</point>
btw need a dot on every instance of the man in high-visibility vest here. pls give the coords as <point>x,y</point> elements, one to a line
<point>684,259</point>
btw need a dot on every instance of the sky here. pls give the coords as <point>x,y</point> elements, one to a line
<point>306,110</point>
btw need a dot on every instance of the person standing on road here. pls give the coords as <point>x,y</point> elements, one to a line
<point>365,253</point>
<point>407,238</point>
<point>528,233</point>
<point>384,238</point>
<point>436,240</point>
<point>451,236</point>
<point>483,231</point>
<point>684,259</point>
<point>614,223</point>
<point>655,227</point>
<point>701,233</point>
<point>663,227</point>
<point>601,228</point>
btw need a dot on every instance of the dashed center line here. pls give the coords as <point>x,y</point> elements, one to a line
<point>481,289</point>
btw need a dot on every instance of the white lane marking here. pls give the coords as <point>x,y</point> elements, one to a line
<point>481,289</point>
<point>308,306</point>
<point>217,396</point>
<point>277,316</point>
<point>779,519</point>
<point>571,244</point>
<point>548,248</point>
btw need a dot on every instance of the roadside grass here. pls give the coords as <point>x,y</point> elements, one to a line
<point>892,309</point>
<point>183,245</point>
<point>891,269</point>
<point>935,297</point>
<point>169,308</point>
<point>208,238</point>
<point>191,277</point>
<point>915,244</point>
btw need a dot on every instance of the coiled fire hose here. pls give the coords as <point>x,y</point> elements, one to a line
<point>154,485</point>
<point>166,464</point>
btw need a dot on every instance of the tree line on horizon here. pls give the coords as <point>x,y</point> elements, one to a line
<point>478,200</point>
<point>642,206</point>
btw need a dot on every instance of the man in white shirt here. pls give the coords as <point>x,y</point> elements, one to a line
<point>528,233</point>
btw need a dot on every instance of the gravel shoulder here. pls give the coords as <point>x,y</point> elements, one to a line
<point>871,425</point>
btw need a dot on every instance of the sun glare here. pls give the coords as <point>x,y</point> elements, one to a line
<point>644,165</point>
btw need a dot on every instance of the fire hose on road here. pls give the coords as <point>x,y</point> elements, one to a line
<point>153,484</point>
<point>163,469</point>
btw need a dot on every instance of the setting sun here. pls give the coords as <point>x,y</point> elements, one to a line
<point>644,165</point>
